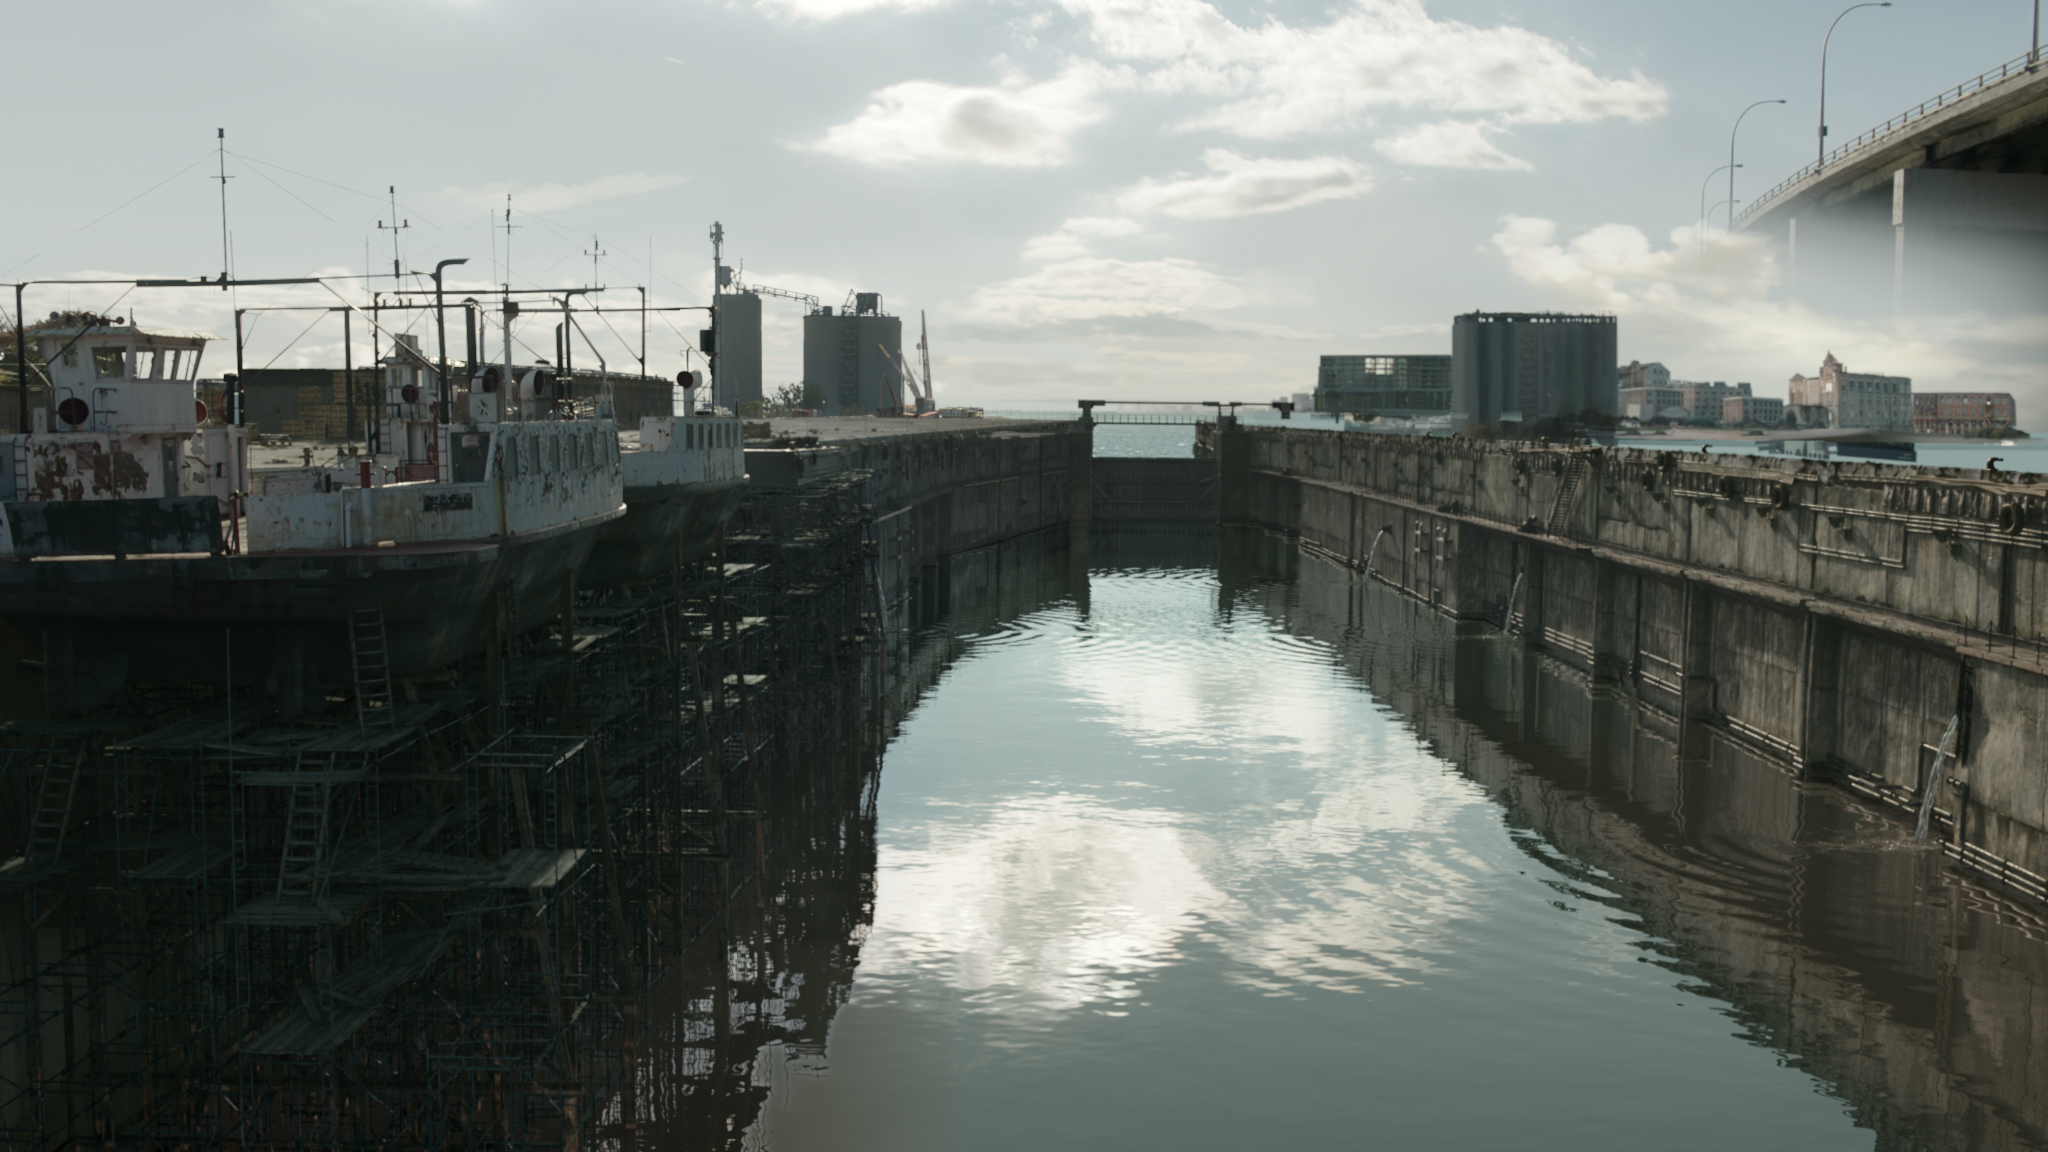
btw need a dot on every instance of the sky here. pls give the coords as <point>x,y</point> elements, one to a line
<point>1142,199</point>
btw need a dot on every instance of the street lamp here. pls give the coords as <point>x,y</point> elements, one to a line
<point>1732,165</point>
<point>1821,158</point>
<point>1703,203</point>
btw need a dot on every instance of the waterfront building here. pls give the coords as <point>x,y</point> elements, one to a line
<point>1384,385</point>
<point>1528,366</point>
<point>1636,374</point>
<point>1857,399</point>
<point>1962,413</point>
<point>739,348</point>
<point>1654,403</point>
<point>1746,409</point>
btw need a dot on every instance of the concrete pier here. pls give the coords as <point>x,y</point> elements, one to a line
<point>1836,618</point>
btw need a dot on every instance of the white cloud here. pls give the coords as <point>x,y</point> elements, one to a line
<point>1280,80</point>
<point>1012,125</point>
<point>555,197</point>
<point>1099,288</point>
<point>1245,186</point>
<point>1449,144</point>
<point>834,9</point>
<point>1071,238</point>
<point>1712,302</point>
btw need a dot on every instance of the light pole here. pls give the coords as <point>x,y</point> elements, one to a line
<point>2034,53</point>
<point>1732,165</point>
<point>1703,203</point>
<point>1821,157</point>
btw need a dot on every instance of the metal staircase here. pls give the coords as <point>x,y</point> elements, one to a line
<point>370,653</point>
<point>1567,494</point>
<point>53,804</point>
<point>305,841</point>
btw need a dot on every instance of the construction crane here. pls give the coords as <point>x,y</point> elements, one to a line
<point>921,396</point>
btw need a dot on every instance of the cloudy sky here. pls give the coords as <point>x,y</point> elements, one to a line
<point>1130,198</point>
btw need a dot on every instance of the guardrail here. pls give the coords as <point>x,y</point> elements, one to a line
<point>2017,67</point>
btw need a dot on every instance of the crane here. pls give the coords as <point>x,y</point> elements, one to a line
<point>920,390</point>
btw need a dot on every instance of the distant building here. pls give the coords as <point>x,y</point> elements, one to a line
<point>1384,385</point>
<point>739,348</point>
<point>1636,374</point>
<point>1704,399</point>
<point>1529,366</point>
<point>1960,413</point>
<point>1857,399</point>
<point>1745,409</point>
<point>844,361</point>
<point>1654,403</point>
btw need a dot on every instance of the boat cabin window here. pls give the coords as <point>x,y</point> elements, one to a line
<point>171,364</point>
<point>71,357</point>
<point>148,364</point>
<point>110,363</point>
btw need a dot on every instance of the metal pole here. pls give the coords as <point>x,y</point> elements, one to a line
<point>643,324</point>
<point>1732,165</point>
<point>348,371</point>
<point>235,393</point>
<point>2034,53</point>
<point>1821,157</point>
<point>21,355</point>
<point>1703,209</point>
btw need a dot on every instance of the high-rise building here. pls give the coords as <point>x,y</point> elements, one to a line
<point>844,361</point>
<point>1529,366</point>
<point>1856,399</point>
<point>739,348</point>
<point>1384,385</point>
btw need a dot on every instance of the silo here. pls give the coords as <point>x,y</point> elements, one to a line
<point>739,348</point>
<point>843,357</point>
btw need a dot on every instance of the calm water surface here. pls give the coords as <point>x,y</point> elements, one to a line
<point>1194,843</point>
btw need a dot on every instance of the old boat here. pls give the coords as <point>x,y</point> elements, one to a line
<point>683,477</point>
<point>136,546</point>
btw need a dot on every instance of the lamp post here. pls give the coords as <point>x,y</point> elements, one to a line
<point>1821,157</point>
<point>1732,165</point>
<point>1703,203</point>
<point>441,331</point>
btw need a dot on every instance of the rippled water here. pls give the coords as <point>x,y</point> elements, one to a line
<point>1213,847</point>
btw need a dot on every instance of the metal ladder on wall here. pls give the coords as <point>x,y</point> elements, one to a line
<point>1567,493</point>
<point>849,367</point>
<point>370,653</point>
<point>305,839</point>
<point>53,804</point>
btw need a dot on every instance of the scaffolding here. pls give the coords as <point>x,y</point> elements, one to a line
<point>454,910</point>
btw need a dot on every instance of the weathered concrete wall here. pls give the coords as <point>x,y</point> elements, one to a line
<point>1910,999</point>
<point>1833,616</point>
<point>937,493</point>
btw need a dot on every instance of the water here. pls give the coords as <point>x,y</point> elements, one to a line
<point>1197,843</point>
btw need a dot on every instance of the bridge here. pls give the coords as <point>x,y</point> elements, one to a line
<point>1942,207</point>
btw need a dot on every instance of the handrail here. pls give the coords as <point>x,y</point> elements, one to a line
<point>2016,67</point>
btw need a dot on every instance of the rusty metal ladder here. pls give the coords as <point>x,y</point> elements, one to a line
<point>1567,493</point>
<point>305,839</point>
<point>53,804</point>
<point>370,653</point>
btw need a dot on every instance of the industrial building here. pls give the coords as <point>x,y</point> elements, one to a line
<point>1384,385</point>
<point>1961,413</point>
<point>844,358</point>
<point>1856,399</point>
<point>1520,367</point>
<point>738,378</point>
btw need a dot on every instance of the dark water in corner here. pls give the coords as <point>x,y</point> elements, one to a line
<point>1205,845</point>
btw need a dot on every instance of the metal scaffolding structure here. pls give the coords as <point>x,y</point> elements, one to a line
<point>453,911</point>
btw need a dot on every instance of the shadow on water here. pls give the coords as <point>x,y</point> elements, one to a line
<point>1911,994</point>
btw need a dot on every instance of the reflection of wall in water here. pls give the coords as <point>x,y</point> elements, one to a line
<point>1874,966</point>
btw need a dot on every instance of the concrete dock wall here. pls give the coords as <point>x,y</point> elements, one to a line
<point>1834,617</point>
<point>937,492</point>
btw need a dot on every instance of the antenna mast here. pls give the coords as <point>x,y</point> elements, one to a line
<point>397,280</point>
<point>221,152</point>
<point>596,252</point>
